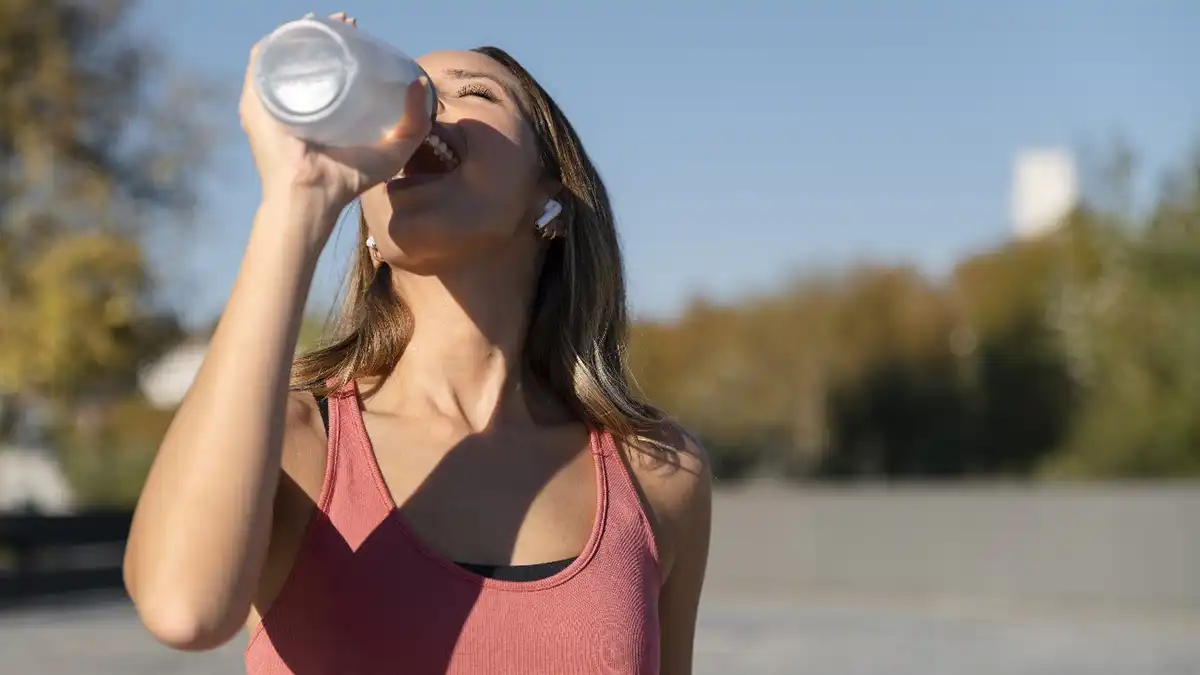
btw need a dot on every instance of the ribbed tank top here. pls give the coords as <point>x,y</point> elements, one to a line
<point>365,596</point>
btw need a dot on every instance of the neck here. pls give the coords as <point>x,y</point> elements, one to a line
<point>464,358</point>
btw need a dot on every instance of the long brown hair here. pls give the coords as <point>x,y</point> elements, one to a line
<point>579,326</point>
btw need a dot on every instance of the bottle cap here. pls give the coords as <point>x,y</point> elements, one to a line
<point>303,70</point>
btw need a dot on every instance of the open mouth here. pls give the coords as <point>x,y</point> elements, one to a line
<point>433,157</point>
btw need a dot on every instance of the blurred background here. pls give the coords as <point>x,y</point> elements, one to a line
<point>923,276</point>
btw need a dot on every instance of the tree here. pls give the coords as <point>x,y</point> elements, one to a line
<point>1135,334</point>
<point>98,150</point>
<point>1074,354</point>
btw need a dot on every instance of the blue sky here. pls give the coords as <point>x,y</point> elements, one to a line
<point>746,142</point>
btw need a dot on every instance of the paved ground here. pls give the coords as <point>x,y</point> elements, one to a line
<point>736,636</point>
<point>1119,547</point>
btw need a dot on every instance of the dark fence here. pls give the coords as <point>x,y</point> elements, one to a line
<point>43,556</point>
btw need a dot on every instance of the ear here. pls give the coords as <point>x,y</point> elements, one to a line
<point>549,222</point>
<point>549,188</point>
<point>548,225</point>
<point>373,251</point>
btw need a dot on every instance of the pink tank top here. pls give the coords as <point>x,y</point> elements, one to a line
<point>366,597</point>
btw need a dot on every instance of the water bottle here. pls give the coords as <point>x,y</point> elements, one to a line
<point>330,83</point>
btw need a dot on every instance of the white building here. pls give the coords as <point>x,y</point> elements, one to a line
<point>31,479</point>
<point>1045,189</point>
<point>166,381</point>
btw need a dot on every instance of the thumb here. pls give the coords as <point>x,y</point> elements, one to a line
<point>385,158</point>
<point>416,123</point>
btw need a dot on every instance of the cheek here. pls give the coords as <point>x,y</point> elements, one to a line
<point>502,174</point>
<point>376,206</point>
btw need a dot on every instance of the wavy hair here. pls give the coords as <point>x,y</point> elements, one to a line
<point>579,326</point>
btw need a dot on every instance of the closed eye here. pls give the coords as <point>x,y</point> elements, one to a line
<point>477,89</point>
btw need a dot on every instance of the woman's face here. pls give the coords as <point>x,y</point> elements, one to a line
<point>481,190</point>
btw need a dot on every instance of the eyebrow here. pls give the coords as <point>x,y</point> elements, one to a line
<point>460,74</point>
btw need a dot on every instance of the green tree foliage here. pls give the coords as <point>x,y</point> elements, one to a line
<point>1076,354</point>
<point>98,150</point>
<point>1134,336</point>
<point>314,331</point>
<point>107,459</point>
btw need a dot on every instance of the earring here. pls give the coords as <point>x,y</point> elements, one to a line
<point>371,242</point>
<point>549,212</point>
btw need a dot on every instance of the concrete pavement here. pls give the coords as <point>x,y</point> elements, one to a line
<point>819,637</point>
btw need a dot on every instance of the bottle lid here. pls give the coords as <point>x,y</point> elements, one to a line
<point>303,69</point>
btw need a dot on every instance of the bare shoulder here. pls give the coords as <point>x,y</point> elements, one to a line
<point>300,481</point>
<point>672,463</point>
<point>674,475</point>
<point>302,411</point>
<point>304,442</point>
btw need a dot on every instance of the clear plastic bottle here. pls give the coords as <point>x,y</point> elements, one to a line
<point>328,82</point>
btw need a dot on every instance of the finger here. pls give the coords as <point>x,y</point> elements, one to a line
<point>387,157</point>
<point>415,124</point>
<point>248,82</point>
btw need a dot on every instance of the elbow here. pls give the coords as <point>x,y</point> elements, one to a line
<point>184,632</point>
<point>176,625</point>
<point>178,620</point>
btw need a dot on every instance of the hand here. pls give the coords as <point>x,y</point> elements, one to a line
<point>290,167</point>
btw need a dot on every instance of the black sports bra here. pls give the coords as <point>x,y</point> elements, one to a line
<point>533,572</point>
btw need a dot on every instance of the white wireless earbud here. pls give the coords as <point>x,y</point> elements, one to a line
<point>549,212</point>
<point>371,242</point>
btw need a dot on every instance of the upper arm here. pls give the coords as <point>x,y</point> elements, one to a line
<point>199,588</point>
<point>678,489</point>
<point>302,470</point>
<point>304,437</point>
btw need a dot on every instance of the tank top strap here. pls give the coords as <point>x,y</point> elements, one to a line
<point>353,496</point>
<point>623,497</point>
<point>600,441</point>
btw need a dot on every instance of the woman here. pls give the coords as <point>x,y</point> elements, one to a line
<point>549,521</point>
